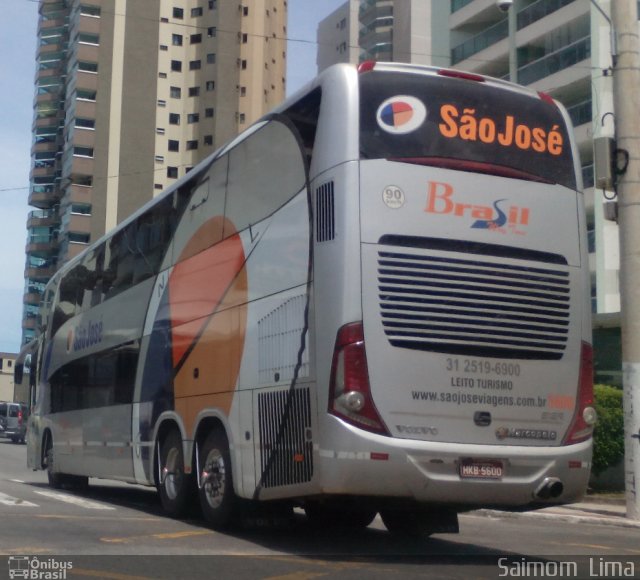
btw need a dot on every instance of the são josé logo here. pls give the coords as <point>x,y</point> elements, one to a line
<point>401,114</point>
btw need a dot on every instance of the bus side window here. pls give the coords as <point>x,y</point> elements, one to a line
<point>257,184</point>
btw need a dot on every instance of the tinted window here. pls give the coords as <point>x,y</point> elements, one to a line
<point>98,380</point>
<point>265,171</point>
<point>432,119</point>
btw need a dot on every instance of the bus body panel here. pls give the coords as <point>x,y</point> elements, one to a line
<point>437,306</point>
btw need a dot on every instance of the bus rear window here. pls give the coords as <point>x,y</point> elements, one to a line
<point>465,125</point>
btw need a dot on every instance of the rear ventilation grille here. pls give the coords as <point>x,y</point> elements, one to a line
<point>474,306</point>
<point>325,222</point>
<point>287,459</point>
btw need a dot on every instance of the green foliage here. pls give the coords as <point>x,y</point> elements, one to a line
<point>608,436</point>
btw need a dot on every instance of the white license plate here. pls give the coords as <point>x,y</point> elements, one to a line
<point>481,469</point>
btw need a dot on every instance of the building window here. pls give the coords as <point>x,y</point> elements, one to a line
<point>174,145</point>
<point>213,4</point>
<point>85,123</point>
<point>245,38</point>
<point>243,64</point>
<point>243,91</point>
<point>176,65</point>
<point>211,58</point>
<point>194,91</point>
<point>175,92</point>
<point>210,85</point>
<point>178,13</point>
<point>90,11</point>
<point>242,118</point>
<point>245,11</point>
<point>164,47</point>
<point>162,103</point>
<point>195,65</point>
<point>211,31</point>
<point>157,186</point>
<point>78,238</point>
<point>193,118</point>
<point>195,12</point>
<point>86,38</point>
<point>83,151</point>
<point>160,130</point>
<point>196,38</point>
<point>159,159</point>
<point>208,139</point>
<point>85,66</point>
<point>176,39</point>
<point>172,172</point>
<point>174,119</point>
<point>208,112</point>
<point>162,75</point>
<point>192,145</point>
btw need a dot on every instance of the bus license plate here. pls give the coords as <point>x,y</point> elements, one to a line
<point>481,469</point>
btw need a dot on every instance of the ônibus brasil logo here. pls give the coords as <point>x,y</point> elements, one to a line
<point>38,568</point>
<point>495,217</point>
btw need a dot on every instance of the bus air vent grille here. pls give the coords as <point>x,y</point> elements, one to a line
<point>474,305</point>
<point>325,214</point>
<point>286,448</point>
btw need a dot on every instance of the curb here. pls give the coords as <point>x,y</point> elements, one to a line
<point>617,521</point>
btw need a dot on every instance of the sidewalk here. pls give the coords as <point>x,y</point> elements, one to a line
<point>592,510</point>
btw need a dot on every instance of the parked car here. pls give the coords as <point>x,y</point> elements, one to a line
<point>13,421</point>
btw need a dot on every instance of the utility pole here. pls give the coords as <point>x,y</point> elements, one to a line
<point>626,98</point>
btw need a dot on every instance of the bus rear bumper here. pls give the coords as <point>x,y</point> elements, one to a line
<point>499,476</point>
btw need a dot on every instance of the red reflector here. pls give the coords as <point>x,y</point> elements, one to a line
<point>546,98</point>
<point>458,74</point>
<point>575,464</point>
<point>366,66</point>
<point>379,456</point>
<point>298,458</point>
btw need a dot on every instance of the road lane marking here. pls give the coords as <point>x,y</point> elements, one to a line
<point>78,501</point>
<point>15,501</point>
<point>595,546</point>
<point>161,536</point>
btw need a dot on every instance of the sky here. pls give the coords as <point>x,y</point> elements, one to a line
<point>18,27</point>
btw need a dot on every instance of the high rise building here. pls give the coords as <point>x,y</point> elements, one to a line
<point>131,94</point>
<point>385,30</point>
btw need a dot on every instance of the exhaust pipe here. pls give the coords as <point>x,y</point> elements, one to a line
<point>550,488</point>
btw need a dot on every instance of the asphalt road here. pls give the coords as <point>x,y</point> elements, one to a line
<point>118,531</point>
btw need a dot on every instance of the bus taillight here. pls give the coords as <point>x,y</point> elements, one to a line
<point>581,427</point>
<point>349,389</point>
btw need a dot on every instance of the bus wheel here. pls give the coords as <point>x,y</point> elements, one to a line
<point>174,484</point>
<point>59,480</point>
<point>217,498</point>
<point>55,479</point>
<point>321,514</point>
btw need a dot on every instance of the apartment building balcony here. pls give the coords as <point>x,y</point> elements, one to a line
<point>33,298</point>
<point>42,244</point>
<point>43,217</point>
<point>41,272</point>
<point>43,198</point>
<point>375,37</point>
<point>480,42</point>
<point>538,10</point>
<point>29,322</point>
<point>563,59</point>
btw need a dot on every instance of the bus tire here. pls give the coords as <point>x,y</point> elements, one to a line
<point>175,485</point>
<point>54,478</point>
<point>218,501</point>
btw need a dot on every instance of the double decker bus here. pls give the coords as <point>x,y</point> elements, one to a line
<point>374,300</point>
